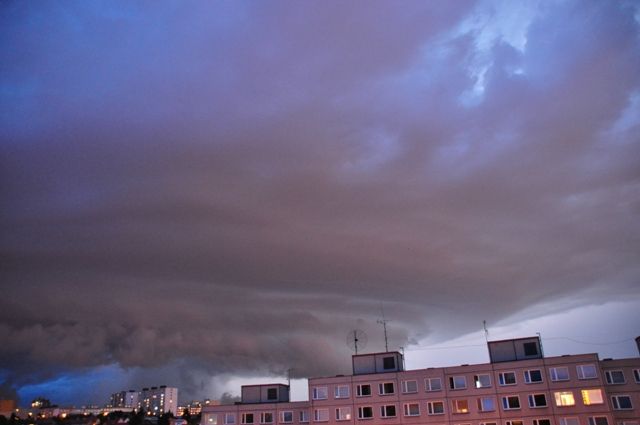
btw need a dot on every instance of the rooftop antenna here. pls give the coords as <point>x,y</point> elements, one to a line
<point>383,322</point>
<point>356,339</point>
<point>486,331</point>
<point>289,377</point>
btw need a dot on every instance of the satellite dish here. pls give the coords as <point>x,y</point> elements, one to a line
<point>357,340</point>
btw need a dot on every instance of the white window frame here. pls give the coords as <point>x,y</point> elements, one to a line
<point>263,417</point>
<point>527,376</point>
<point>454,386</point>
<point>321,414</point>
<point>481,405</point>
<point>382,390</point>
<point>303,416</point>
<point>407,409</point>
<point>320,393</point>
<point>384,411</point>
<point>636,375</point>
<point>506,402</point>
<point>359,392</point>
<point>609,377</point>
<point>343,413</point>
<point>341,391</point>
<point>536,421</point>
<point>477,380</point>
<point>593,419</point>
<point>559,397</point>
<point>514,422</point>
<point>460,409</point>
<point>244,416</point>
<point>431,411</point>
<point>580,370</point>
<point>502,378</point>
<point>569,420</point>
<point>428,384</point>
<point>615,402</point>
<point>361,411</point>
<point>405,386</point>
<point>488,423</point>
<point>282,416</point>
<point>230,418</point>
<point>532,401</point>
<point>555,377</point>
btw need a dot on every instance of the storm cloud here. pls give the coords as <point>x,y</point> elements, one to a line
<point>231,187</point>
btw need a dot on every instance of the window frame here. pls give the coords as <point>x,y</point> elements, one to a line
<point>428,384</point>
<point>337,393</point>
<point>431,411</point>
<point>457,408</point>
<point>384,411</point>
<point>452,382</point>
<point>514,422</point>
<point>316,392</point>
<point>559,395</point>
<point>506,399</point>
<point>228,415</point>
<point>317,414</point>
<point>263,417</point>
<point>636,375</point>
<point>615,402</point>
<point>303,416</point>
<point>609,376</point>
<point>405,389</point>
<point>244,416</point>
<point>536,421</point>
<point>382,388</point>
<point>580,371</point>
<point>343,416</point>
<point>406,409</point>
<point>359,392</point>
<point>527,376</point>
<point>553,374</point>
<point>586,398</point>
<point>283,419</point>
<point>563,420</point>
<point>480,404</point>
<point>477,380</point>
<point>533,403</point>
<point>593,420</point>
<point>503,381</point>
<point>361,411</point>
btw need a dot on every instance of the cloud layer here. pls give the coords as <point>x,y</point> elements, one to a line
<point>233,187</point>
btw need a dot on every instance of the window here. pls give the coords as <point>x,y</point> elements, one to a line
<point>598,420</point>
<point>389,363</point>
<point>507,378</point>
<point>320,393</point>
<point>514,422</point>
<point>272,393</point>
<point>564,398</point>
<point>435,407</point>
<point>482,381</point>
<point>412,409</point>
<point>457,382</point>
<point>530,349</point>
<point>486,404</point>
<point>532,376</point>
<point>410,386</point>
<point>363,390</point>
<point>286,416</point>
<point>621,402</point>
<point>433,384</point>
<point>636,375</point>
<point>229,418</point>
<point>592,397</point>
<point>303,416</point>
<point>615,377</point>
<point>321,415</point>
<point>341,391</point>
<point>343,413</point>
<point>460,406</point>
<point>559,373</point>
<point>386,388</point>
<point>586,371</point>
<point>212,419</point>
<point>266,418</point>
<point>365,412</point>
<point>542,422</point>
<point>488,423</point>
<point>569,421</point>
<point>388,411</point>
<point>510,402</point>
<point>537,400</point>
<point>247,418</point>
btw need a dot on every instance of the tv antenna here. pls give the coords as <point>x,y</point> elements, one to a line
<point>383,322</point>
<point>357,339</point>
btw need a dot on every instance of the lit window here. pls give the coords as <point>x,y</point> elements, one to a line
<point>386,388</point>
<point>365,412</point>
<point>615,377</point>
<point>247,418</point>
<point>457,382</point>
<point>507,378</point>
<point>433,384</point>
<point>410,386</point>
<point>460,406</point>
<point>435,408</point>
<point>321,415</point>
<point>266,418</point>
<point>212,419</point>
<point>598,420</point>
<point>510,402</point>
<point>592,397</point>
<point>230,418</point>
<point>286,416</point>
<point>320,393</point>
<point>363,390</point>
<point>621,402</point>
<point>388,411</point>
<point>537,400</point>
<point>343,413</point>
<point>482,381</point>
<point>586,371</point>
<point>541,422</point>
<point>303,416</point>
<point>564,398</point>
<point>532,376</point>
<point>559,373</point>
<point>341,391</point>
<point>412,409</point>
<point>486,404</point>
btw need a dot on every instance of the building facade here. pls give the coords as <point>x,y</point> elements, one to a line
<point>154,400</point>
<point>520,386</point>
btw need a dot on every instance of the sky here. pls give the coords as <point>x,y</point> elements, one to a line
<point>204,194</point>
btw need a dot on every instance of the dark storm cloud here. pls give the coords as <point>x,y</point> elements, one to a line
<point>240,185</point>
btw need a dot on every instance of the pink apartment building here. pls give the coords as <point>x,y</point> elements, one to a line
<point>518,387</point>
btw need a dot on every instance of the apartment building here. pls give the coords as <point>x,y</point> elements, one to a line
<point>154,400</point>
<point>520,386</point>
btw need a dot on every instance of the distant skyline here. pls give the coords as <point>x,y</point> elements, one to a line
<point>202,194</point>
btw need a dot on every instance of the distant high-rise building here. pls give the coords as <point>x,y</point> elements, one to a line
<point>154,400</point>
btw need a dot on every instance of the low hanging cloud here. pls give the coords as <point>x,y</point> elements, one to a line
<point>233,187</point>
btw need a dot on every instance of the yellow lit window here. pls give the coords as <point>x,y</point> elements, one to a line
<point>564,398</point>
<point>592,397</point>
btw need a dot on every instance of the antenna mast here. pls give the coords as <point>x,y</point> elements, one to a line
<point>486,331</point>
<point>383,322</point>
